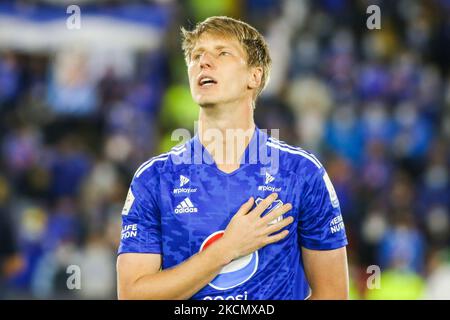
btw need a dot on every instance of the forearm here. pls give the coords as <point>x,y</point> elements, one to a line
<point>181,281</point>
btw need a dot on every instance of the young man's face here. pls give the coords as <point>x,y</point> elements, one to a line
<point>218,71</point>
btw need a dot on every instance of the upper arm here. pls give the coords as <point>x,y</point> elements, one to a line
<point>321,226</point>
<point>132,266</point>
<point>327,272</point>
<point>141,218</point>
<point>140,241</point>
<point>322,237</point>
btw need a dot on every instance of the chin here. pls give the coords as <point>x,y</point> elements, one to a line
<point>206,102</point>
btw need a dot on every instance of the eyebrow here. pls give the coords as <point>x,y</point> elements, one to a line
<point>217,48</point>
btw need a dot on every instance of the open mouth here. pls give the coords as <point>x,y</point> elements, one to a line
<point>206,81</point>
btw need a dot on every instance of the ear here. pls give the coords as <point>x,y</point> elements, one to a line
<point>255,77</point>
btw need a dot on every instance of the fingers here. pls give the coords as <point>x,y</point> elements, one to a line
<point>274,214</point>
<point>246,207</point>
<point>263,205</point>
<point>279,225</point>
<point>276,237</point>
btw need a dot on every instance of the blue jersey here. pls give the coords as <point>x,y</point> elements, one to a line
<point>180,202</point>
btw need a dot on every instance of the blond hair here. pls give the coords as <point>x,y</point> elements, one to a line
<point>251,40</point>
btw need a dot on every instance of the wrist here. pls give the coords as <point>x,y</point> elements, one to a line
<point>224,252</point>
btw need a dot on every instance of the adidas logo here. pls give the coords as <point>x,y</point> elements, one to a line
<point>183,180</point>
<point>269,178</point>
<point>185,206</point>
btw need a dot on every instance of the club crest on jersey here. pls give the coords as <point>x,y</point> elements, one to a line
<point>276,204</point>
<point>237,271</point>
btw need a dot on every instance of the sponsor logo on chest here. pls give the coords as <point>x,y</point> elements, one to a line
<point>266,187</point>
<point>183,181</point>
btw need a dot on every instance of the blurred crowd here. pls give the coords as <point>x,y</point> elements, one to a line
<point>373,105</point>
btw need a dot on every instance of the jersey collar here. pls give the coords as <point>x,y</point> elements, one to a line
<point>252,154</point>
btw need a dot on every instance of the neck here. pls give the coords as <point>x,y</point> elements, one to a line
<point>217,126</point>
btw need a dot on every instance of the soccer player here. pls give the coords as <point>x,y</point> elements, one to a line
<point>198,227</point>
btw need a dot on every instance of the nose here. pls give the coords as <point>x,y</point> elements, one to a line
<point>206,60</point>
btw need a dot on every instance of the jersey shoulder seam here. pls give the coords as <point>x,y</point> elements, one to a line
<point>283,146</point>
<point>177,150</point>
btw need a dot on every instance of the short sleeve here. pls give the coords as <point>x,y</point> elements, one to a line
<point>141,223</point>
<point>321,226</point>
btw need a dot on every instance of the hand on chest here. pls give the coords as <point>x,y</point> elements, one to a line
<point>211,199</point>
